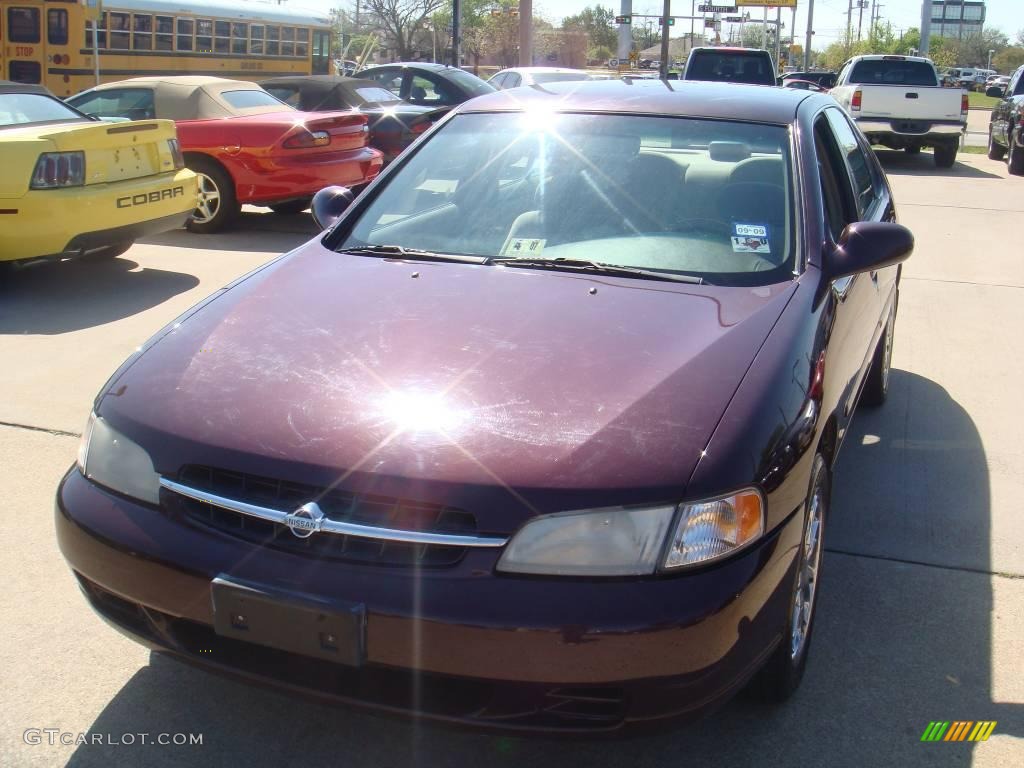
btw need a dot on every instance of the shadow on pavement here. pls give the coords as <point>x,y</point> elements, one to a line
<point>58,297</point>
<point>253,231</point>
<point>899,163</point>
<point>896,646</point>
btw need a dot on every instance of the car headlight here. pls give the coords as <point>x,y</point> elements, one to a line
<point>624,541</point>
<point>110,459</point>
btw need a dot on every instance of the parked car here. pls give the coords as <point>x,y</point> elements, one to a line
<point>1006,126</point>
<point>898,103</point>
<point>730,65</point>
<point>75,187</point>
<point>824,80</point>
<point>394,124</point>
<point>246,146</point>
<point>526,76</point>
<point>432,85</point>
<point>512,445</point>
<point>346,68</point>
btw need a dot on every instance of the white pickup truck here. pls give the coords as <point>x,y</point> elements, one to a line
<point>897,102</point>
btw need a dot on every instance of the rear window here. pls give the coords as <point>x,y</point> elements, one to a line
<point>559,77</point>
<point>28,108</point>
<point>889,72</point>
<point>732,67</point>
<point>374,95</point>
<point>250,98</point>
<point>468,82</point>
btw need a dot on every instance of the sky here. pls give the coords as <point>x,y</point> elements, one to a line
<point>829,15</point>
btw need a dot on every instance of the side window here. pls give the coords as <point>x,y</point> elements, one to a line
<point>512,80</point>
<point>391,80</point>
<point>186,28</point>
<point>1016,85</point>
<point>131,103</point>
<point>836,195</point>
<point>499,81</point>
<point>57,26</point>
<point>424,91</point>
<point>23,25</point>
<point>120,31</point>
<point>164,40</point>
<point>857,163</point>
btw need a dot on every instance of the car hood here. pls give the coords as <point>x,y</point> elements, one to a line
<point>443,372</point>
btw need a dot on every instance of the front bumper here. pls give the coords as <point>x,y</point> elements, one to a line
<point>455,644</point>
<point>59,222</point>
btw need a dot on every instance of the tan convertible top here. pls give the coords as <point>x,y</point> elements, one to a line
<point>196,98</point>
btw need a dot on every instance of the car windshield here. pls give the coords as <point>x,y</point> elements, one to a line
<point>559,77</point>
<point>893,72</point>
<point>471,83</point>
<point>704,198</point>
<point>29,108</point>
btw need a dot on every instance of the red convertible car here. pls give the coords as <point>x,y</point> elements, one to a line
<point>245,145</point>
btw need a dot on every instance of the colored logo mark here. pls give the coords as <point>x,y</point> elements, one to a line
<point>958,730</point>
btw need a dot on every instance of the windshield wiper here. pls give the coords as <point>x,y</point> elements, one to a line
<point>585,265</point>
<point>413,253</point>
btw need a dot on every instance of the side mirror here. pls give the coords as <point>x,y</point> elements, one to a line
<point>328,205</point>
<point>866,246</point>
<point>995,91</point>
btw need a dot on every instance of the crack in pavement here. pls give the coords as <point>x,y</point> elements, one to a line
<point>44,430</point>
<point>940,566</point>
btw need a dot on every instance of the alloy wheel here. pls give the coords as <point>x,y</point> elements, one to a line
<point>208,202</point>
<point>807,576</point>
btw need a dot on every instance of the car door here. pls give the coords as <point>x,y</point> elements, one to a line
<point>857,297</point>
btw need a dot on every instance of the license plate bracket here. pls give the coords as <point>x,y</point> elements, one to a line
<point>288,621</point>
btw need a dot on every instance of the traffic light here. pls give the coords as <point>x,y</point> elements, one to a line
<point>671,21</point>
<point>623,19</point>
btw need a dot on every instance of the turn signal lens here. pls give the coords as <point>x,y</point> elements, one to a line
<point>709,530</point>
<point>308,139</point>
<point>55,170</point>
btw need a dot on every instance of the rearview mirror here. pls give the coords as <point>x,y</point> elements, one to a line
<point>866,246</point>
<point>995,91</point>
<point>328,205</point>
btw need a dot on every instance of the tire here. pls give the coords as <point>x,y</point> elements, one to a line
<point>912,150</point>
<point>995,152</point>
<point>217,206</point>
<point>108,253</point>
<point>781,675</point>
<point>291,208</point>
<point>945,155</point>
<point>1015,157</point>
<point>876,385</point>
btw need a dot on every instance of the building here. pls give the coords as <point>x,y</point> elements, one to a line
<point>957,18</point>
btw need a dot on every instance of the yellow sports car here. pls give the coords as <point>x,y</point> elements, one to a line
<point>72,186</point>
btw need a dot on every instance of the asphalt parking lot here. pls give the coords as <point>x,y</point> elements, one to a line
<point>922,613</point>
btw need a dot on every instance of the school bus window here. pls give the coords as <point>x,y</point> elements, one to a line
<point>273,36</point>
<point>204,36</point>
<point>143,38</point>
<point>120,35</point>
<point>222,42</point>
<point>185,29</point>
<point>256,39</point>
<point>101,33</point>
<point>23,25</point>
<point>239,37</point>
<point>302,35</point>
<point>287,41</point>
<point>57,26</point>
<point>164,40</point>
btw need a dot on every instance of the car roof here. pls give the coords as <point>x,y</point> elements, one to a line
<point>6,86</point>
<point>194,97</point>
<point>725,101</point>
<point>539,70</point>
<point>411,65</point>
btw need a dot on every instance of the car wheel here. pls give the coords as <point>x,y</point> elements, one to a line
<point>945,155</point>
<point>876,386</point>
<point>781,675</point>
<point>995,152</point>
<point>110,252</point>
<point>1016,154</point>
<point>217,205</point>
<point>914,150</point>
<point>291,208</point>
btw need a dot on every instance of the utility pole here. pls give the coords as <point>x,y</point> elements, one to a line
<point>849,28</point>
<point>778,39</point>
<point>525,33</point>
<point>810,35</point>
<point>926,26</point>
<point>665,29</point>
<point>456,33</point>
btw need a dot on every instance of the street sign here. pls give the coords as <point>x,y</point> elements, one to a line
<point>707,8</point>
<point>768,3</point>
<point>712,24</point>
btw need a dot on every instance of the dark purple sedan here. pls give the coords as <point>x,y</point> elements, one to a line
<point>538,435</point>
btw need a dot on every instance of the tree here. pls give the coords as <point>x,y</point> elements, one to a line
<point>597,23</point>
<point>401,20</point>
<point>1008,59</point>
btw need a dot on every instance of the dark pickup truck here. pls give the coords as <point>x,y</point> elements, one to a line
<point>1006,126</point>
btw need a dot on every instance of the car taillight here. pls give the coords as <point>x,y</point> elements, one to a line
<point>175,148</point>
<point>965,104</point>
<point>856,100</point>
<point>59,169</point>
<point>308,139</point>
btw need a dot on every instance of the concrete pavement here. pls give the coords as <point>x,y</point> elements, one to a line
<point>922,612</point>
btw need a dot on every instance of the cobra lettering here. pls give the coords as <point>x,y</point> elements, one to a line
<point>150,197</point>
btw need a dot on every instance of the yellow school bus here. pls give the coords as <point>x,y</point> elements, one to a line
<point>53,42</point>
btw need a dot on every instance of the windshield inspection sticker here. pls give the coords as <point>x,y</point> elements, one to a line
<point>750,238</point>
<point>523,246</point>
